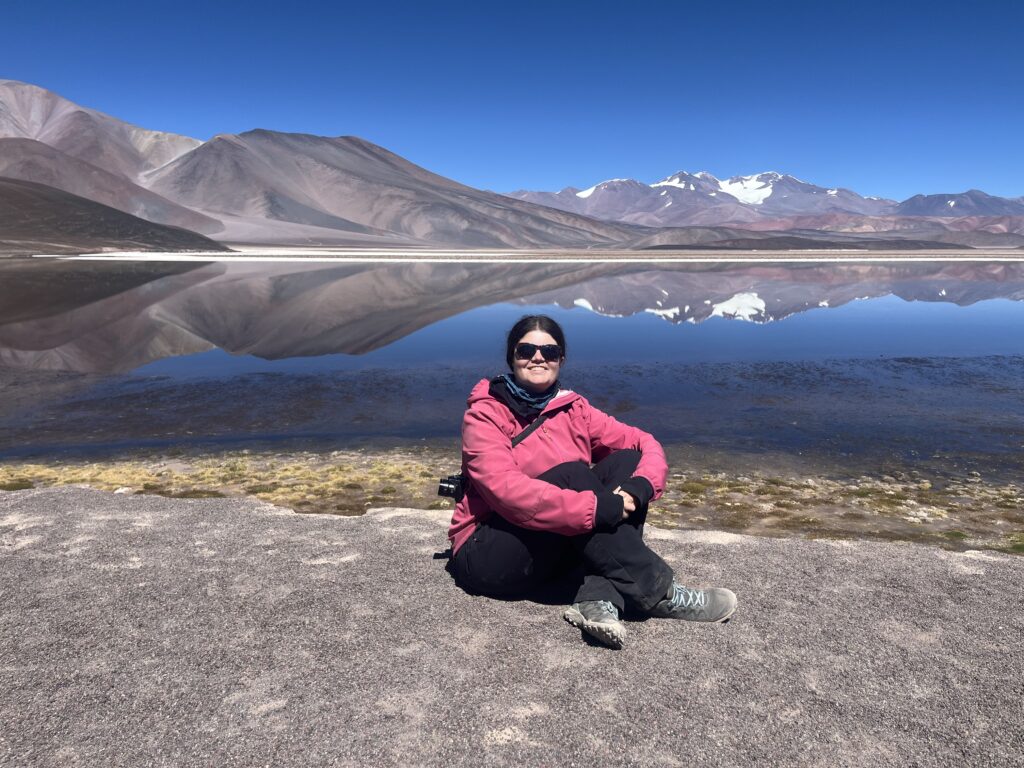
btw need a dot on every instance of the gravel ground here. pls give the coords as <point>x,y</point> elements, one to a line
<point>140,630</point>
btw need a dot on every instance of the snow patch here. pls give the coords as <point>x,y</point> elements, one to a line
<point>823,303</point>
<point>590,307</point>
<point>942,292</point>
<point>742,306</point>
<point>832,192</point>
<point>951,203</point>
<point>588,192</point>
<point>670,182</point>
<point>747,189</point>
<point>668,314</point>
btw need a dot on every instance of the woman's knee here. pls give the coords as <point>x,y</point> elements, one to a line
<point>617,467</point>
<point>573,475</point>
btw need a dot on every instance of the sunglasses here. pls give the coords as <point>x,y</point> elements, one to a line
<point>551,352</point>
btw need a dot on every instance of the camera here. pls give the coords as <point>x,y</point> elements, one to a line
<point>453,486</point>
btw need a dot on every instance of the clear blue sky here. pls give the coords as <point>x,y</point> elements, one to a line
<point>886,98</point>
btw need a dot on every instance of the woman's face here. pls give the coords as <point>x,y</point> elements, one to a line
<point>536,374</point>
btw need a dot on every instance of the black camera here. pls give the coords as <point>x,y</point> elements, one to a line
<point>453,486</point>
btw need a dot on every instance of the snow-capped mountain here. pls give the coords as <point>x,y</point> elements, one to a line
<point>973,202</point>
<point>689,199</point>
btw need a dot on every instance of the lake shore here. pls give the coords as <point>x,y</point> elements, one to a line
<point>769,495</point>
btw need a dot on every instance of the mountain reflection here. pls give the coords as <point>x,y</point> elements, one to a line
<point>89,322</point>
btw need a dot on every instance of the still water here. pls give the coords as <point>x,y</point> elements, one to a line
<point>915,361</point>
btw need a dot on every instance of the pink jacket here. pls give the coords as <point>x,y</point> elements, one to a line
<point>502,477</point>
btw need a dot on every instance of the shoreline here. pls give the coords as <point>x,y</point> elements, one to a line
<point>958,513</point>
<point>554,256</point>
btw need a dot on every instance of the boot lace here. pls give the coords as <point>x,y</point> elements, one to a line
<point>609,606</point>
<point>684,597</point>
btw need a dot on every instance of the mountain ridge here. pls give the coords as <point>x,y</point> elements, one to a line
<point>269,187</point>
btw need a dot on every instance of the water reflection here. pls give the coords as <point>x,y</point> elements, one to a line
<point>92,320</point>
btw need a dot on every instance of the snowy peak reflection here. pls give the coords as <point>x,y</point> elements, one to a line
<point>280,310</point>
<point>767,293</point>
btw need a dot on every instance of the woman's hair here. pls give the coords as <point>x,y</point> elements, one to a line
<point>532,323</point>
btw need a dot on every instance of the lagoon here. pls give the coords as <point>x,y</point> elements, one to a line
<point>840,374</point>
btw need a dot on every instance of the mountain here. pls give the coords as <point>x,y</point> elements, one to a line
<point>265,187</point>
<point>30,112</point>
<point>41,219</point>
<point>688,199</point>
<point>256,179</point>
<point>973,202</point>
<point>31,160</point>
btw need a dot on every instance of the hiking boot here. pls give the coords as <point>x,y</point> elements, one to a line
<point>714,604</point>
<point>599,619</point>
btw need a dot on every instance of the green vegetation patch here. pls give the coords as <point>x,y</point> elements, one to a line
<point>16,485</point>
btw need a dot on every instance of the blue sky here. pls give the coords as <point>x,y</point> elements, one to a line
<point>886,98</point>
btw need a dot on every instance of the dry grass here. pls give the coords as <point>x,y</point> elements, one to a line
<point>967,513</point>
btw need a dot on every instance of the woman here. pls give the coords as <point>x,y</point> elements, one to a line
<point>537,509</point>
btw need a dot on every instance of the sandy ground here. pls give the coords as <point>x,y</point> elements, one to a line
<point>144,630</point>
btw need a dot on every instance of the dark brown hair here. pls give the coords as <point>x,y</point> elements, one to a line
<point>529,323</point>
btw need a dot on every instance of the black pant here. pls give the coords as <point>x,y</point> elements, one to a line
<point>501,559</point>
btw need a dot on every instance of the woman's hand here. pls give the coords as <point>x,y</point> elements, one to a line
<point>628,502</point>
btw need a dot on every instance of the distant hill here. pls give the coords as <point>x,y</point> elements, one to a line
<point>346,183</point>
<point>31,160</point>
<point>973,202</point>
<point>30,112</point>
<point>41,219</point>
<point>775,201</point>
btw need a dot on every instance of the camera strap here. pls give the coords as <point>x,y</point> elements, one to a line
<point>529,430</point>
<point>515,441</point>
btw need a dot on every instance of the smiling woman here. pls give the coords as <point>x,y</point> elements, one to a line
<point>537,508</point>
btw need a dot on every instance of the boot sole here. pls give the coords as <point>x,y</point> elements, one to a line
<point>612,635</point>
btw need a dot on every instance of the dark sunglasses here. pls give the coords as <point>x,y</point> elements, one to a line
<point>551,352</point>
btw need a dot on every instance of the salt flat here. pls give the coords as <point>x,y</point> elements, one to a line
<point>285,254</point>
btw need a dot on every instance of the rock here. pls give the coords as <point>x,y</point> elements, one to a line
<point>144,630</point>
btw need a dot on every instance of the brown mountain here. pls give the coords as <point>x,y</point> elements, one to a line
<point>31,160</point>
<point>253,180</point>
<point>30,112</point>
<point>41,219</point>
